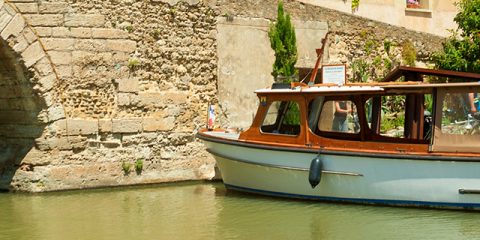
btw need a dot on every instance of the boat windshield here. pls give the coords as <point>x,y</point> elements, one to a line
<point>457,126</point>
<point>283,117</point>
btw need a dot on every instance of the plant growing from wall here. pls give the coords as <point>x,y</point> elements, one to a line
<point>139,165</point>
<point>461,52</point>
<point>355,5</point>
<point>126,167</point>
<point>409,54</point>
<point>133,63</point>
<point>283,42</point>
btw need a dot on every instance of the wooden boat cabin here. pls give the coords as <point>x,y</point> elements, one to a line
<point>435,119</point>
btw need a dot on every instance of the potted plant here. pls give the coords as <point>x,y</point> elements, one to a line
<point>413,4</point>
<point>283,42</point>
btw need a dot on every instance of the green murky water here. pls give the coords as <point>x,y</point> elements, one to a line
<point>208,211</point>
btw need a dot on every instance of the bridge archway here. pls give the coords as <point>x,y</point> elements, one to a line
<point>27,98</point>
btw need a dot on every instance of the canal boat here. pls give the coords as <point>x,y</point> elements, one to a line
<point>339,143</point>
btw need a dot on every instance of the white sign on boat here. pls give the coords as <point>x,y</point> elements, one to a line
<point>334,74</point>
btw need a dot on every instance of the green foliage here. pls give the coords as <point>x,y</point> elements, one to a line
<point>129,29</point>
<point>361,70</point>
<point>139,165</point>
<point>409,54</point>
<point>461,52</point>
<point>392,122</point>
<point>355,5</point>
<point>156,34</point>
<point>133,63</point>
<point>292,117</point>
<point>370,45</point>
<point>126,167</point>
<point>468,18</point>
<point>387,45</point>
<point>429,102</point>
<point>283,42</point>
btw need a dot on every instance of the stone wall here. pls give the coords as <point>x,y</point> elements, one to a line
<point>90,87</point>
<point>129,80</point>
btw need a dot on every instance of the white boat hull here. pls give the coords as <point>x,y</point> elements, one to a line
<point>359,179</point>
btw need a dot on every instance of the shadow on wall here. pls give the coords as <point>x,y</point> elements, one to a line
<point>19,109</point>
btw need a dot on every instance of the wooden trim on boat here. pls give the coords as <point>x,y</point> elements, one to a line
<point>307,149</point>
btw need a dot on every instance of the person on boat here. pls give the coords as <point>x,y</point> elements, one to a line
<point>473,105</point>
<point>342,109</point>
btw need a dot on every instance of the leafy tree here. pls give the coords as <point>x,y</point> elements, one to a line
<point>461,51</point>
<point>283,42</point>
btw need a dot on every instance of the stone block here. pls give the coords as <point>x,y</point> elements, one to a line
<point>32,54</point>
<point>122,45</point>
<point>64,71</point>
<point>84,20</point>
<point>108,33</point>
<point>175,97</point>
<point>53,7</point>
<point>81,32</point>
<point>44,20</point>
<point>61,32</point>
<point>27,7</point>
<point>17,116</point>
<point>29,35</point>
<point>43,66</point>
<point>60,44</point>
<point>128,85</point>
<point>63,143</point>
<point>126,125</point>
<point>44,31</point>
<point>47,83</point>
<point>21,44</point>
<point>82,127</point>
<point>158,124</point>
<point>60,58</point>
<point>150,99</point>
<point>36,157</point>
<point>4,20</point>
<point>105,125</point>
<point>58,127</point>
<point>123,99</point>
<point>10,9</point>
<point>90,45</point>
<point>21,130</point>
<point>56,112</point>
<point>14,27</point>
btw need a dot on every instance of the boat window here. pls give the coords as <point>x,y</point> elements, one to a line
<point>339,116</point>
<point>390,115</point>
<point>407,117</point>
<point>460,111</point>
<point>283,117</point>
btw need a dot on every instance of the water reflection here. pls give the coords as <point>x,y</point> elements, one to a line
<point>208,211</point>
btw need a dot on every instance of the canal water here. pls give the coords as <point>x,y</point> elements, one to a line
<point>208,211</point>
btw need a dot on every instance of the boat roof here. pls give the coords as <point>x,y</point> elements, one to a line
<point>415,75</point>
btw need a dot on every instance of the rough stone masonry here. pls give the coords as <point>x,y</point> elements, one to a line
<point>90,87</point>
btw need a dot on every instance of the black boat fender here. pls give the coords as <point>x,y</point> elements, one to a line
<point>315,172</point>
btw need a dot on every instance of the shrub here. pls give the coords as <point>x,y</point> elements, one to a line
<point>283,42</point>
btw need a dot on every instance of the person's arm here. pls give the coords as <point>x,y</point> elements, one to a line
<point>471,100</point>
<point>341,110</point>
